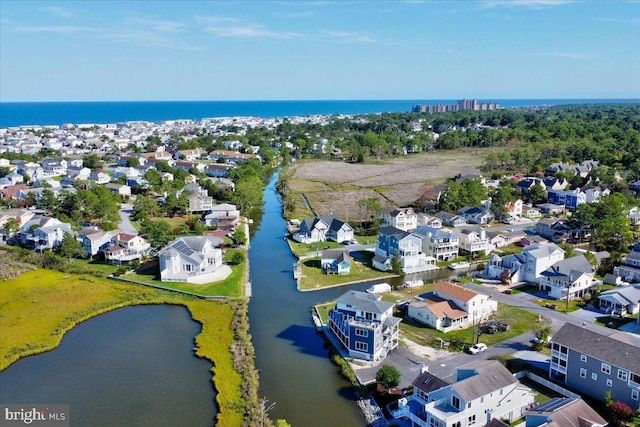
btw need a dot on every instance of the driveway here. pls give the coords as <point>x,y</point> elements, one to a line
<point>125,225</point>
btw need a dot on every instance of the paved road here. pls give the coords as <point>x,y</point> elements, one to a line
<point>125,225</point>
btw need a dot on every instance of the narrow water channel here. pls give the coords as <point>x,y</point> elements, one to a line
<point>295,370</point>
<point>131,367</point>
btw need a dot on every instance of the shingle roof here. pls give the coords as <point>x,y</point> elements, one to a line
<point>609,350</point>
<point>428,382</point>
<point>455,291</point>
<point>566,412</point>
<point>490,375</point>
<point>364,301</point>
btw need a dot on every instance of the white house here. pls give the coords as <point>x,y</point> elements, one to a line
<point>191,259</point>
<point>452,306</point>
<point>526,266</point>
<point>438,243</point>
<point>623,300</point>
<point>573,275</point>
<point>403,218</point>
<point>483,390</point>
<point>473,240</point>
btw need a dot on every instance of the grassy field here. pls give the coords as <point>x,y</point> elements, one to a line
<point>314,278</point>
<point>324,309</point>
<point>519,320</point>
<point>40,306</point>
<point>231,287</point>
<point>397,181</point>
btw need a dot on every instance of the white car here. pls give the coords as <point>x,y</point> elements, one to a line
<point>477,348</point>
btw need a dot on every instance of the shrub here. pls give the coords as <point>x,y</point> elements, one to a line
<point>388,376</point>
<point>620,412</point>
<point>120,271</point>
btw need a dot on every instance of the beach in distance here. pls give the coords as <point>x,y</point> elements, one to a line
<point>58,113</point>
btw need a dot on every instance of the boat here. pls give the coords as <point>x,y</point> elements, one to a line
<point>459,265</point>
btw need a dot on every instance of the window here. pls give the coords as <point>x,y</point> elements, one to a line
<point>482,399</point>
<point>362,346</point>
<point>362,332</point>
<point>455,402</point>
<point>583,373</point>
<point>594,376</point>
<point>609,383</point>
<point>623,375</point>
<point>606,369</point>
<point>583,357</point>
<point>634,394</point>
<point>472,420</point>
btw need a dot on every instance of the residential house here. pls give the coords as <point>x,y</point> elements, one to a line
<point>218,170</point>
<point>199,203</point>
<point>568,278</point>
<point>451,306</point>
<point>190,259</point>
<point>450,219</point>
<point>570,199</point>
<point>394,242</point>
<point>554,229</point>
<point>526,266</point>
<point>312,230</point>
<point>621,301</point>
<point>223,216</point>
<point>473,240</point>
<point>125,248</point>
<point>187,166</point>
<point>476,215</point>
<point>94,241</point>
<point>42,232</point>
<point>336,262</point>
<point>11,191</point>
<point>21,216</point>
<point>483,390</point>
<point>594,194</point>
<point>99,177</point>
<point>550,208</point>
<point>364,325</point>
<point>54,166</point>
<point>338,231</point>
<point>594,364</point>
<point>121,189</point>
<point>500,239</point>
<point>191,155</point>
<point>630,270</point>
<point>438,243</point>
<point>429,220</point>
<point>515,209</point>
<point>403,218</point>
<point>529,211</point>
<point>231,156</point>
<point>563,412</point>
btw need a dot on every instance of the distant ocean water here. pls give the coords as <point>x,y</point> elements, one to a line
<point>59,113</point>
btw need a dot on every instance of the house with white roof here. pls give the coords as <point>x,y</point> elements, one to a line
<point>473,240</point>
<point>438,243</point>
<point>526,266</point>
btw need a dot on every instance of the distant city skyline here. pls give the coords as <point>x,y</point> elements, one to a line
<point>314,50</point>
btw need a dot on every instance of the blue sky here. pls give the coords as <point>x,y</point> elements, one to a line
<point>273,50</point>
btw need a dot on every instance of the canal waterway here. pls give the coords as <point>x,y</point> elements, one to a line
<point>131,367</point>
<point>295,371</point>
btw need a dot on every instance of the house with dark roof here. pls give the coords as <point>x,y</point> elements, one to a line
<point>192,259</point>
<point>476,215</point>
<point>593,364</point>
<point>336,262</point>
<point>406,246</point>
<point>403,218</point>
<point>364,325</point>
<point>563,412</point>
<point>437,243</point>
<point>571,275</point>
<point>483,390</point>
<point>450,219</point>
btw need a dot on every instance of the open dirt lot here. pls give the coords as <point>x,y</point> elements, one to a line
<point>335,187</point>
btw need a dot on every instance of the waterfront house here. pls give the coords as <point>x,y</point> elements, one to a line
<point>563,412</point>
<point>621,301</point>
<point>438,243</point>
<point>526,266</point>
<point>568,278</point>
<point>364,325</point>
<point>406,246</point>
<point>336,262</point>
<point>94,240</point>
<point>190,259</point>
<point>473,240</point>
<point>224,216</point>
<point>218,170</point>
<point>483,390</point>
<point>593,364</point>
<point>42,232</point>
<point>125,248</point>
<point>312,230</point>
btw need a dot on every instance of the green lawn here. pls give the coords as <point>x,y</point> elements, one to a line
<point>299,249</point>
<point>574,305</point>
<point>231,287</point>
<point>323,310</point>
<point>314,278</point>
<point>543,394</point>
<point>519,320</point>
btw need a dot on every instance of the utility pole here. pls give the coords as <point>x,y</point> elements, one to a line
<point>568,289</point>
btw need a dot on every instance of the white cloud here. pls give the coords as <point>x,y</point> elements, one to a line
<point>159,25</point>
<point>223,26</point>
<point>148,38</point>
<point>533,4</point>
<point>622,21</point>
<point>59,29</point>
<point>59,11</point>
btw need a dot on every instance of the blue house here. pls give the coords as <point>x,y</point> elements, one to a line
<point>364,325</point>
<point>336,262</point>
<point>570,199</point>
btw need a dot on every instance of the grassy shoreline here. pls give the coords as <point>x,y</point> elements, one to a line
<point>40,306</point>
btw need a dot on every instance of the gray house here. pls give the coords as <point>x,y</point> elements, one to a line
<point>563,412</point>
<point>594,364</point>
<point>623,300</point>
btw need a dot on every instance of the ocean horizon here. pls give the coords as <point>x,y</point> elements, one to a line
<point>14,114</point>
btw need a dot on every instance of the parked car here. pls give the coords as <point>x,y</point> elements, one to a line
<point>477,348</point>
